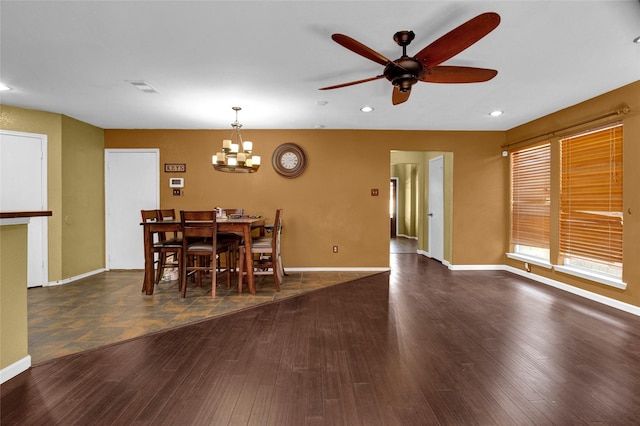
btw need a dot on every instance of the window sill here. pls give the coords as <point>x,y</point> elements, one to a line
<point>591,276</point>
<point>530,259</point>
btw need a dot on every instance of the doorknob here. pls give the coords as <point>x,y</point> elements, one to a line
<point>430,214</point>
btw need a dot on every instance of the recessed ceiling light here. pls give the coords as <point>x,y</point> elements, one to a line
<point>496,113</point>
<point>636,40</point>
<point>4,88</point>
<point>366,109</point>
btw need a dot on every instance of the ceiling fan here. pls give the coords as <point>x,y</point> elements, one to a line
<point>406,71</point>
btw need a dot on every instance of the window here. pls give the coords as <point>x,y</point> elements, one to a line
<point>591,201</point>
<point>530,200</point>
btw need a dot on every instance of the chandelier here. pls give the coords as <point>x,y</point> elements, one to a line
<point>235,156</point>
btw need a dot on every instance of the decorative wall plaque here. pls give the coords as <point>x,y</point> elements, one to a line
<point>175,167</point>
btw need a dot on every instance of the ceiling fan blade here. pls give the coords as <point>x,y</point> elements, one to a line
<point>458,39</point>
<point>359,48</point>
<point>399,97</point>
<point>451,74</point>
<point>337,86</point>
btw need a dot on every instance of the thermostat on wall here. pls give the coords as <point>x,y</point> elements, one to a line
<point>176,182</point>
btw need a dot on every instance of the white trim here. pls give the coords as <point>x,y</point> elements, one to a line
<point>424,253</point>
<point>406,236</point>
<point>591,276</point>
<point>77,277</point>
<point>14,369</point>
<point>626,307</point>
<point>15,221</point>
<point>476,267</point>
<point>395,198</point>
<point>339,269</point>
<point>530,259</point>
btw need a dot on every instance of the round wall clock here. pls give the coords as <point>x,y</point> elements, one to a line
<point>289,160</point>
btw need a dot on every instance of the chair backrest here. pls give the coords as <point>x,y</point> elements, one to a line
<point>277,229</point>
<point>150,215</point>
<point>167,214</point>
<point>199,224</point>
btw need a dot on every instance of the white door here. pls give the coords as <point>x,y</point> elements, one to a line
<point>436,208</point>
<point>131,185</point>
<point>23,186</point>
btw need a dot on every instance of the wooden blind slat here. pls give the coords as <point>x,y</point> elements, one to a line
<point>591,196</point>
<point>530,196</point>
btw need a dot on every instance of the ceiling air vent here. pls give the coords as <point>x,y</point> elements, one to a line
<point>142,86</point>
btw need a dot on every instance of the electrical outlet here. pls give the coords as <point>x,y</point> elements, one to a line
<point>374,192</point>
<point>335,249</point>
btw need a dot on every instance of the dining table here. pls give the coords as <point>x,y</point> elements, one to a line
<point>244,225</point>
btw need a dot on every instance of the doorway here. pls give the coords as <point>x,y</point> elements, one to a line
<point>23,186</point>
<point>412,170</point>
<point>393,206</point>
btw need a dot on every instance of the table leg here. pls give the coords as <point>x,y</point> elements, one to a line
<point>149,275</point>
<point>249,258</point>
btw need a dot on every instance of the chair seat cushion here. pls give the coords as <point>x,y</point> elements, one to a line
<point>200,246</point>
<point>261,242</point>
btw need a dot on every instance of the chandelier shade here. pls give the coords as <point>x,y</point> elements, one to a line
<point>236,155</point>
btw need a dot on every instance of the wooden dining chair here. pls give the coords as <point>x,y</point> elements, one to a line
<point>265,255</point>
<point>167,252</point>
<point>235,238</point>
<point>201,248</point>
<point>170,215</point>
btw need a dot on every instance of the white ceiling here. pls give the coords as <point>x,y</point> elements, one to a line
<point>270,58</point>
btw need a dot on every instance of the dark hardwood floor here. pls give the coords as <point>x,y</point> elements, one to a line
<point>420,345</point>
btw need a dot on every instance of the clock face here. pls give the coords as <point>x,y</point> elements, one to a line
<point>289,160</point>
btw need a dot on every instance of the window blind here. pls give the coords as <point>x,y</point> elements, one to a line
<point>530,196</point>
<point>591,196</point>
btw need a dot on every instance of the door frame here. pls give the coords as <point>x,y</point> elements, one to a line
<point>394,198</point>
<point>439,255</point>
<point>37,252</point>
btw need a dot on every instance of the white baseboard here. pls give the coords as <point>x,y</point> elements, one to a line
<point>14,369</point>
<point>476,267</point>
<point>76,278</point>
<point>626,307</point>
<point>407,236</point>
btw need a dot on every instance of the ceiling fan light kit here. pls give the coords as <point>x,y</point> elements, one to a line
<point>425,66</point>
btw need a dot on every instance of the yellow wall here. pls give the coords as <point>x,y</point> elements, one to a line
<point>551,128</point>
<point>331,203</point>
<point>83,211</point>
<point>13,294</point>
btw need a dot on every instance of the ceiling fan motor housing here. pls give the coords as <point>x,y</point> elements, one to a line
<point>404,73</point>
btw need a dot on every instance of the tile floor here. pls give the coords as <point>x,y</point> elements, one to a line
<point>110,307</point>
